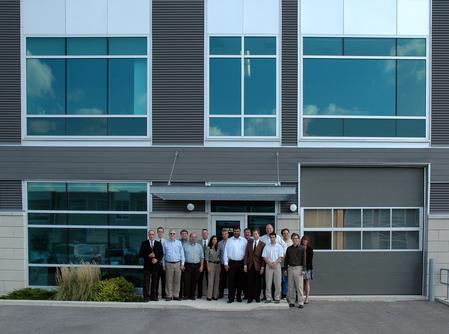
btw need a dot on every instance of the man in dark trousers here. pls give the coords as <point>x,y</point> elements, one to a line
<point>152,253</point>
<point>254,266</point>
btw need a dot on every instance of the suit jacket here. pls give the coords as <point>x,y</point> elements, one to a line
<point>253,257</point>
<point>146,250</point>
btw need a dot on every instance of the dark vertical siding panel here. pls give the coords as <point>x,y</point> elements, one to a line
<point>10,71</point>
<point>10,195</point>
<point>439,197</point>
<point>289,86</point>
<point>178,71</point>
<point>440,72</point>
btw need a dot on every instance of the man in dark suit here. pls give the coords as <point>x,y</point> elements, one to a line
<point>254,266</point>
<point>152,253</point>
<point>203,278</point>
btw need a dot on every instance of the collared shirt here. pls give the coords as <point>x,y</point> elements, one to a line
<point>295,256</point>
<point>162,240</point>
<point>273,252</point>
<point>173,251</point>
<point>182,241</point>
<point>212,255</point>
<point>289,242</point>
<point>151,242</point>
<point>193,252</point>
<point>255,243</point>
<point>234,250</point>
<point>221,247</point>
<point>266,239</point>
<point>204,243</point>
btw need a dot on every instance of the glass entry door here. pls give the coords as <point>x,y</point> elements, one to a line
<point>228,222</point>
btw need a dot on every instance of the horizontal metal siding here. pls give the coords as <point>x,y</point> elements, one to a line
<point>10,195</point>
<point>285,205</point>
<point>439,197</point>
<point>159,205</point>
<point>10,71</point>
<point>289,60</point>
<point>440,72</point>
<point>178,72</point>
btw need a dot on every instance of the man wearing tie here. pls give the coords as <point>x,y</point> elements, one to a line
<point>202,279</point>
<point>160,238</point>
<point>152,253</point>
<point>233,262</point>
<point>254,266</point>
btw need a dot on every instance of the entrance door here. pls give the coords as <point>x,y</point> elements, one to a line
<point>228,222</point>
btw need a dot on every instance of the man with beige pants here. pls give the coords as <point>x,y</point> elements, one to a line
<point>273,254</point>
<point>173,265</point>
<point>295,261</point>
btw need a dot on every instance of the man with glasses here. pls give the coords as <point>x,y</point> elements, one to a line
<point>295,260</point>
<point>194,256</point>
<point>173,265</point>
<point>273,254</point>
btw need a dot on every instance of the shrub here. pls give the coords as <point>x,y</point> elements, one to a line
<point>115,289</point>
<point>77,283</point>
<point>30,293</point>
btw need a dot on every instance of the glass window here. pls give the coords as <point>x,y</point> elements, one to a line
<point>320,240</point>
<point>260,222</point>
<point>413,47</point>
<point>45,126</point>
<point>127,126</point>
<point>324,127</point>
<point>128,86</point>
<point>47,219</point>
<point>411,87</point>
<point>44,46</point>
<point>260,46</point>
<point>405,218</point>
<point>376,240</point>
<point>86,86</point>
<point>48,245</point>
<point>86,126</point>
<point>128,196</point>
<point>262,127</point>
<point>347,218</point>
<point>88,196</point>
<point>369,128</point>
<point>370,46</point>
<point>45,86</point>
<point>219,126</point>
<point>47,196</point>
<point>239,206</point>
<point>225,45</point>
<point>82,46</point>
<point>87,219</point>
<point>42,276</point>
<point>128,46</point>
<point>376,218</point>
<point>225,86</point>
<point>260,86</point>
<point>323,46</point>
<point>347,240</point>
<point>411,128</point>
<point>318,218</point>
<point>405,240</point>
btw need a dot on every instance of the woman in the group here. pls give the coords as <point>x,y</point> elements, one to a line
<point>212,258</point>
<point>308,273</point>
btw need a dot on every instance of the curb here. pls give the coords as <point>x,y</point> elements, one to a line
<point>442,301</point>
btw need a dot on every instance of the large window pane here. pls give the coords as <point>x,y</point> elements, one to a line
<point>317,218</point>
<point>405,240</point>
<point>48,245</point>
<point>45,86</point>
<point>325,127</point>
<point>128,86</point>
<point>47,196</point>
<point>376,240</point>
<point>86,86</point>
<point>87,219</point>
<point>323,46</point>
<point>127,126</point>
<point>261,222</point>
<point>411,87</point>
<point>240,206</point>
<point>225,45</point>
<point>349,87</point>
<point>405,218</point>
<point>260,46</point>
<point>43,46</point>
<point>128,46</point>
<point>347,218</point>
<point>369,128</point>
<point>320,240</point>
<point>87,46</point>
<point>347,240</point>
<point>370,46</point>
<point>128,196</point>
<point>47,219</point>
<point>262,127</point>
<point>260,86</point>
<point>42,276</point>
<point>46,126</point>
<point>414,47</point>
<point>225,88</point>
<point>376,218</point>
<point>224,126</point>
<point>86,126</point>
<point>88,196</point>
<point>414,128</point>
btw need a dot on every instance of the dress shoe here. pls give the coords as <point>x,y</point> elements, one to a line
<point>239,300</point>
<point>267,301</point>
<point>291,305</point>
<point>277,301</point>
<point>214,298</point>
<point>230,301</point>
<point>168,299</point>
<point>300,306</point>
<point>249,301</point>
<point>146,300</point>
<point>177,299</point>
<point>257,300</point>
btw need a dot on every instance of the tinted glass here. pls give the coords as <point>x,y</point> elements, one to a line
<point>376,218</point>
<point>87,219</point>
<point>128,86</point>
<point>128,196</point>
<point>260,222</point>
<point>261,127</point>
<point>43,46</point>
<point>45,86</point>
<point>411,47</point>
<point>370,46</point>
<point>128,46</point>
<point>317,218</point>
<point>238,206</point>
<point>411,87</point>
<point>225,45</point>
<point>347,218</point>
<point>88,196</point>
<point>369,128</point>
<point>45,126</point>
<point>349,87</point>
<point>42,276</point>
<point>323,46</point>
<point>260,46</point>
<point>405,218</point>
<point>47,219</point>
<point>47,196</point>
<point>224,126</point>
<point>86,126</point>
<point>260,86</point>
<point>376,240</point>
<point>86,86</point>
<point>127,126</point>
<point>86,46</point>
<point>347,240</point>
<point>331,127</point>
<point>405,240</point>
<point>48,245</point>
<point>225,86</point>
<point>413,128</point>
<point>320,240</point>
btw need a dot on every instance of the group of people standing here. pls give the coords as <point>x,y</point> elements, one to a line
<point>253,267</point>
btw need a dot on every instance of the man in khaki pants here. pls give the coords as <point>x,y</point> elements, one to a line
<point>273,254</point>
<point>173,265</point>
<point>295,260</point>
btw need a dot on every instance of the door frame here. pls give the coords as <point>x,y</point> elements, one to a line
<point>226,216</point>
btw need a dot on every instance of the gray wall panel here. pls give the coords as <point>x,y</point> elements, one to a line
<point>285,205</point>
<point>367,273</point>
<point>178,72</point>
<point>344,187</point>
<point>160,205</point>
<point>10,195</point>
<point>10,71</point>
<point>289,86</point>
<point>439,197</point>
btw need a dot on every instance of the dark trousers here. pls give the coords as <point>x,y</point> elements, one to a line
<point>202,276</point>
<point>235,279</point>
<point>224,277</point>
<point>162,279</point>
<point>191,274</point>
<point>245,284</point>
<point>254,284</point>
<point>150,282</point>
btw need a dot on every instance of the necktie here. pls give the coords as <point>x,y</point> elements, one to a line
<point>151,243</point>
<point>255,245</point>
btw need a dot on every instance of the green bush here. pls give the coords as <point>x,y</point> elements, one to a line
<point>30,293</point>
<point>115,289</point>
<point>77,283</point>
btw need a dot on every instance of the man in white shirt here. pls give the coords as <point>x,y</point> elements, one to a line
<point>266,238</point>
<point>161,239</point>
<point>233,262</point>
<point>273,254</point>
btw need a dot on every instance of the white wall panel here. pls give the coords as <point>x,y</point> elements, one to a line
<point>322,17</point>
<point>43,16</point>
<point>87,16</point>
<point>261,17</point>
<point>413,17</point>
<point>129,16</point>
<point>225,16</point>
<point>370,17</point>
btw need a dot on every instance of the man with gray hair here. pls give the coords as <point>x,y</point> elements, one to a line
<point>173,265</point>
<point>194,257</point>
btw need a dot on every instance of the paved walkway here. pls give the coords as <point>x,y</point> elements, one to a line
<point>404,317</point>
